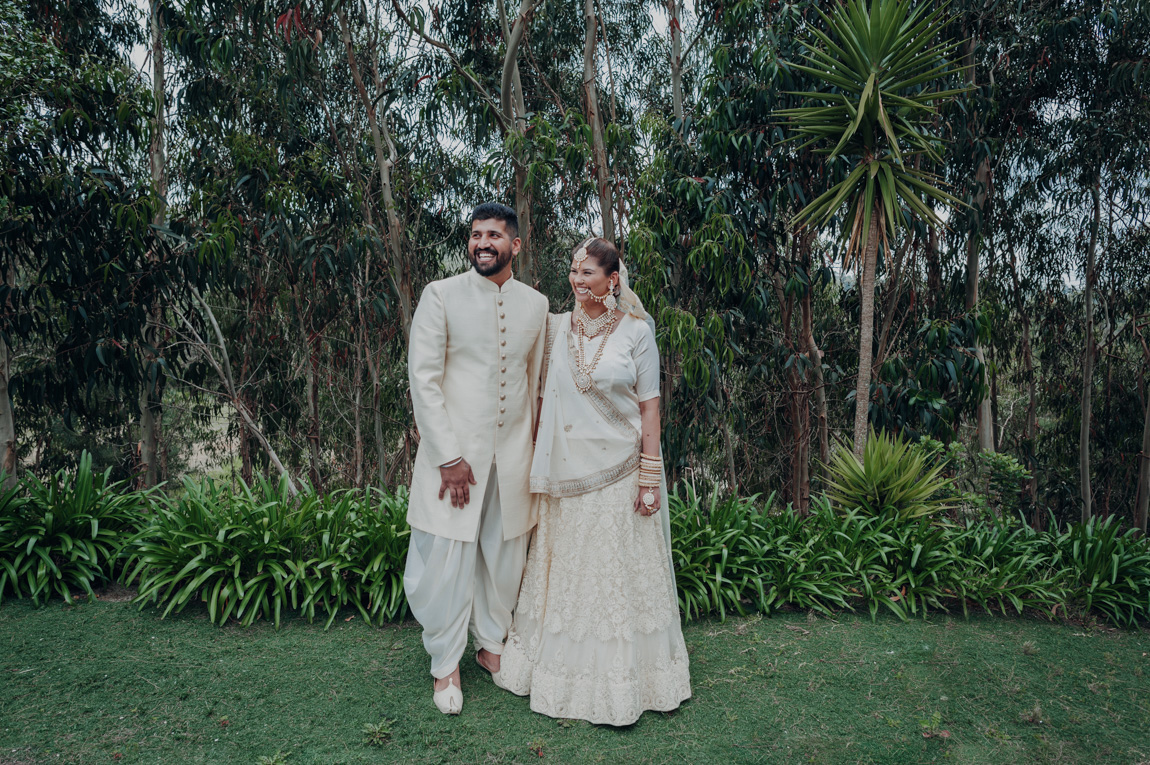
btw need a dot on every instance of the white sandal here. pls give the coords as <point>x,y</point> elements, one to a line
<point>450,699</point>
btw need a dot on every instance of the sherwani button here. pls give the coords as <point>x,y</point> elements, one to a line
<point>502,396</point>
<point>502,369</point>
<point>500,423</point>
<point>502,409</point>
<point>499,301</point>
<point>502,382</point>
<point>503,355</point>
<point>502,315</point>
<point>503,329</point>
<point>503,342</point>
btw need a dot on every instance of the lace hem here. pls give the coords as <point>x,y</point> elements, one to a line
<point>596,633</point>
<point>617,696</point>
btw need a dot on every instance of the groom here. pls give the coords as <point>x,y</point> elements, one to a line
<point>473,364</point>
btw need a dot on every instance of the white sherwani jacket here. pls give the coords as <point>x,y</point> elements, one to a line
<point>473,364</point>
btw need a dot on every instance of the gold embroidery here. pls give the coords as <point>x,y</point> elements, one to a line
<point>552,330</point>
<point>577,486</point>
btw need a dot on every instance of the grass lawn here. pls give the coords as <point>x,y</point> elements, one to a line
<point>103,682</point>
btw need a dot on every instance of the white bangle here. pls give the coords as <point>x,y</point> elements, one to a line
<point>453,463</point>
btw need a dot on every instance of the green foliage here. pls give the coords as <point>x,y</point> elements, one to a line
<point>991,481</point>
<point>883,63</point>
<point>64,535</point>
<point>935,381</point>
<point>377,734</point>
<point>1109,569</point>
<point>718,553</point>
<point>893,479</point>
<point>254,554</point>
<point>732,556</point>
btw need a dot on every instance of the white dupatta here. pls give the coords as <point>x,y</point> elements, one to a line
<point>584,441</point>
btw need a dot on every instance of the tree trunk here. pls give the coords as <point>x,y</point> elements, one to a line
<point>1088,357</point>
<point>1143,501</point>
<point>1031,432</point>
<point>514,109</point>
<point>728,444</point>
<point>313,434</point>
<point>150,390</point>
<point>594,119</point>
<point>399,269</point>
<point>357,412</point>
<point>676,59</point>
<point>933,271</point>
<point>816,373</point>
<point>982,181</point>
<point>7,420</point>
<point>866,332</point>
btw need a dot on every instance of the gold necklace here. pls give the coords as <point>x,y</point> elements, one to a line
<point>591,327</point>
<point>583,370</point>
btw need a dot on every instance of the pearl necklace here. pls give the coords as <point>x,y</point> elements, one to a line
<point>583,370</point>
<point>589,327</point>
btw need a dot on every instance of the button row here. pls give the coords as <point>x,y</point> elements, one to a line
<point>502,357</point>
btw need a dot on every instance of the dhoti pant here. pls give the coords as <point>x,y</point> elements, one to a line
<point>452,586</point>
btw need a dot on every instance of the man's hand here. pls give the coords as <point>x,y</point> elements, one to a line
<point>457,479</point>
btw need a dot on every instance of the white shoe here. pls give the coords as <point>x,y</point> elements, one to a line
<point>450,699</point>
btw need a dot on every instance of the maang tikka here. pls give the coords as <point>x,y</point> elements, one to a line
<point>581,254</point>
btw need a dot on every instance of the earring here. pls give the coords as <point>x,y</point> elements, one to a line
<point>610,302</point>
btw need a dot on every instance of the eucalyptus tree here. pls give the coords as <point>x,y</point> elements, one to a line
<point>1093,97</point>
<point>82,262</point>
<point>885,62</point>
<point>732,286</point>
<point>150,398</point>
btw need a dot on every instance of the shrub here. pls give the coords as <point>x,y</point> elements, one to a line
<point>892,479</point>
<point>1007,562</point>
<point>1109,569</point>
<point>233,551</point>
<point>255,553</point>
<point>713,569</point>
<point>64,535</point>
<point>989,481</point>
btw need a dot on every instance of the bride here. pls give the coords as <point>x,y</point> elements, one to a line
<point>596,633</point>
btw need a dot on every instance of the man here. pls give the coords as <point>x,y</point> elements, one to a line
<point>473,364</point>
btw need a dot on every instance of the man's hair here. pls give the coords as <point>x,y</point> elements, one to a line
<point>496,211</point>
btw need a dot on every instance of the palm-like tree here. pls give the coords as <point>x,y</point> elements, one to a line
<point>882,66</point>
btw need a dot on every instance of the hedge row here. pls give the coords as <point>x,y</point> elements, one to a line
<point>258,553</point>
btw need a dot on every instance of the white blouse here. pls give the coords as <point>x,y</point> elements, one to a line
<point>588,440</point>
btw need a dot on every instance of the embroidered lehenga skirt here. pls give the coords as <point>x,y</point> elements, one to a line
<point>596,633</point>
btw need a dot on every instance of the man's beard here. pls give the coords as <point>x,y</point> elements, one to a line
<point>495,266</point>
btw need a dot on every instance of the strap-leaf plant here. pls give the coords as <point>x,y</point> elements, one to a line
<point>884,67</point>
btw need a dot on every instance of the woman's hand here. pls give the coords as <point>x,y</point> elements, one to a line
<point>642,508</point>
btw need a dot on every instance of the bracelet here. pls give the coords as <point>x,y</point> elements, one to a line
<point>453,463</point>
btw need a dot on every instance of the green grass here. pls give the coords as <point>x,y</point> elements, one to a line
<point>87,682</point>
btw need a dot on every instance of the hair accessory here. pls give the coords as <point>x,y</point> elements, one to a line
<point>581,253</point>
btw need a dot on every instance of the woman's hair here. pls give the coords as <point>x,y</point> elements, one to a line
<point>604,254</point>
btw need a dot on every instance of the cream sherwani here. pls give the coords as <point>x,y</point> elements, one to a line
<point>474,359</point>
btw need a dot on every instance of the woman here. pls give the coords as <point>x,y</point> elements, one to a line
<point>596,633</point>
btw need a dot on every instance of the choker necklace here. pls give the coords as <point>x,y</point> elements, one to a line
<point>589,327</point>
